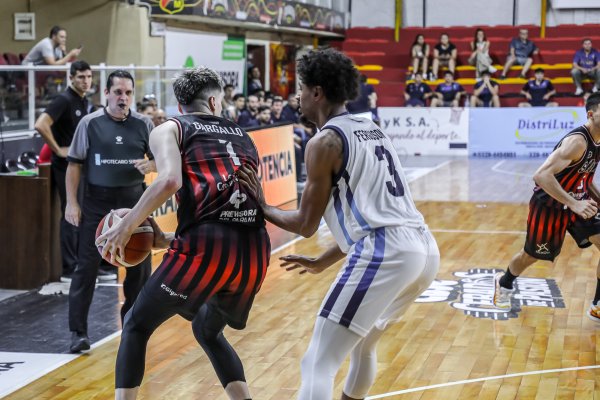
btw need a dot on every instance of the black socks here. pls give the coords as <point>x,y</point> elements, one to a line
<point>508,278</point>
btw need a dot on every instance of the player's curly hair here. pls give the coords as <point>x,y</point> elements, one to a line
<point>196,84</point>
<point>331,70</point>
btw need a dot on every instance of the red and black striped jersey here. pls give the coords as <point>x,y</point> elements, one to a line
<point>212,150</point>
<point>576,178</point>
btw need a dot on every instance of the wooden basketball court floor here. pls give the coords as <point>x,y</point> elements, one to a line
<point>450,345</point>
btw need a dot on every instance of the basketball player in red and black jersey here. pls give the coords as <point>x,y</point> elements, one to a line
<point>218,256</point>
<point>561,203</point>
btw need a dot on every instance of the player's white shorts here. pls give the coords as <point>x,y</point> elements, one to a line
<point>383,275</point>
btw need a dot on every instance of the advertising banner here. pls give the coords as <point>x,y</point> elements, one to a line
<point>224,54</point>
<point>520,132</point>
<point>278,163</point>
<point>427,131</point>
<point>276,13</point>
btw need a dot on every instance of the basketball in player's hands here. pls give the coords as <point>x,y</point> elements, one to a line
<point>139,245</point>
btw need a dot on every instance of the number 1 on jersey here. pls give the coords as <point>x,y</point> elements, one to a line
<point>398,190</point>
<point>234,157</point>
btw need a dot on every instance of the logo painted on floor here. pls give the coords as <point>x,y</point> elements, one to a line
<point>19,369</point>
<point>473,292</point>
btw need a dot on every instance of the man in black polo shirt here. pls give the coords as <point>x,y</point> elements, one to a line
<point>56,125</point>
<point>109,146</point>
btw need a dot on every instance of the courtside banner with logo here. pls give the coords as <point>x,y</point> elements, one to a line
<point>520,132</point>
<point>277,163</point>
<point>224,54</point>
<point>427,131</point>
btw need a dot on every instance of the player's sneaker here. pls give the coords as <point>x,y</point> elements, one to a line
<point>594,312</point>
<point>502,295</point>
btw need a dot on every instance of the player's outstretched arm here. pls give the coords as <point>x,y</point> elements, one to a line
<point>310,264</point>
<point>324,155</point>
<point>570,151</point>
<point>164,146</point>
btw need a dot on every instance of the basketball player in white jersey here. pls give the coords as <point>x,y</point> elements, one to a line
<point>356,182</point>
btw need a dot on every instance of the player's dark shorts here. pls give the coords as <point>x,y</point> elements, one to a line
<point>547,227</point>
<point>223,265</point>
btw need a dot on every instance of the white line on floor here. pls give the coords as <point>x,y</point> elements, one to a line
<point>483,232</point>
<point>488,378</point>
<point>496,168</point>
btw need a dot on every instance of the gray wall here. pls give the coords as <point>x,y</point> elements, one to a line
<point>368,13</point>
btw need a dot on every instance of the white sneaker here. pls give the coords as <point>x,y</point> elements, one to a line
<point>492,69</point>
<point>579,91</point>
<point>593,312</point>
<point>106,276</point>
<point>502,295</point>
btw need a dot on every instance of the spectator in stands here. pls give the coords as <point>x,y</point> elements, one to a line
<point>485,92</point>
<point>449,93</point>
<point>277,110</point>
<point>362,102</point>
<point>480,56</point>
<point>417,92</point>
<point>249,114</point>
<point>291,110</point>
<point>419,52</point>
<point>228,95</point>
<point>254,82</point>
<point>146,109</point>
<point>52,50</point>
<point>150,98</point>
<point>268,100</point>
<point>521,52</point>
<point>159,117</point>
<point>538,91</point>
<point>263,117</point>
<point>445,54</point>
<point>239,100</point>
<point>586,64</point>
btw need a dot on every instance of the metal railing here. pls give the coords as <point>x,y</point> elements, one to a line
<point>23,94</point>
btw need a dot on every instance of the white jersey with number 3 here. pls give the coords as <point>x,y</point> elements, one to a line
<point>370,191</point>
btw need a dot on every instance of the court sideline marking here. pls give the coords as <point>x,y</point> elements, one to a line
<point>496,168</point>
<point>488,378</point>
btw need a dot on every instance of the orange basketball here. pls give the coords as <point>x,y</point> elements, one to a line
<point>139,245</point>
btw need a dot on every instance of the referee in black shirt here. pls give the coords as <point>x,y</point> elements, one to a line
<point>109,146</point>
<point>57,125</point>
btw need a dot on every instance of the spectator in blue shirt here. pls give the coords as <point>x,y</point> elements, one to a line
<point>448,94</point>
<point>291,111</point>
<point>538,91</point>
<point>485,92</point>
<point>246,116</point>
<point>521,52</point>
<point>417,92</point>
<point>586,65</point>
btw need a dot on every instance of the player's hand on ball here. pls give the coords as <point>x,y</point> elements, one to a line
<point>114,240</point>
<point>304,264</point>
<point>247,177</point>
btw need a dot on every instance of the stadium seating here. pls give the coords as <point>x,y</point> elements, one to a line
<point>386,62</point>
